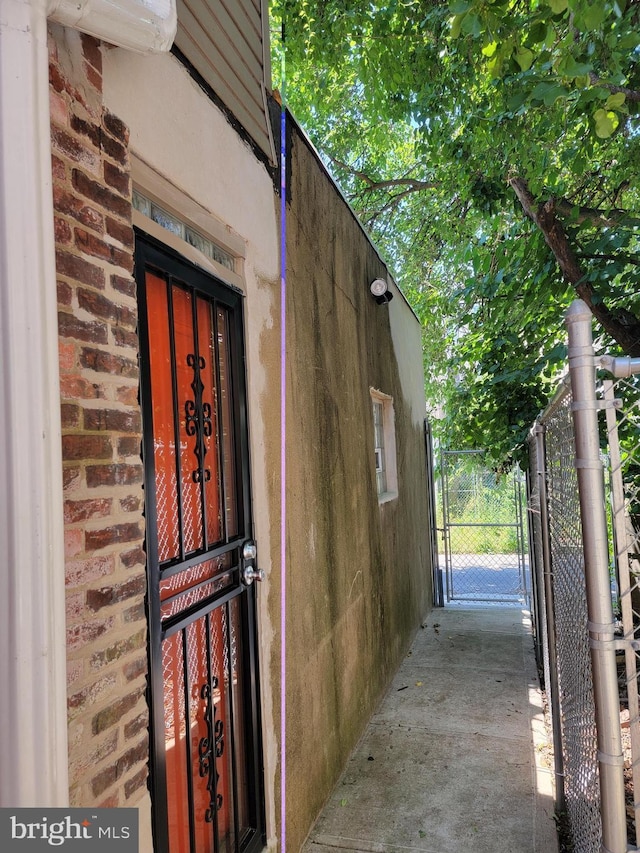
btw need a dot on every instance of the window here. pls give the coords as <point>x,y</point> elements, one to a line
<point>384,444</point>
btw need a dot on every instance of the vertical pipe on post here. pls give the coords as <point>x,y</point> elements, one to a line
<point>596,566</point>
<point>33,712</point>
<point>550,616</point>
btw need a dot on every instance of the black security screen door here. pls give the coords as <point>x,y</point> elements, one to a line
<point>206,779</point>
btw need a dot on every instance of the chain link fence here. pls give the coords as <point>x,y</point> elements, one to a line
<point>482,526</point>
<point>584,518</point>
<point>570,690</point>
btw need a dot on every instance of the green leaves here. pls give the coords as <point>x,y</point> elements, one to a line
<point>423,112</point>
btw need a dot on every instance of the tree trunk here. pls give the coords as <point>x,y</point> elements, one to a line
<point>623,326</point>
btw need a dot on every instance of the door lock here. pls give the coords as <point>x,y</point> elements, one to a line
<point>249,575</point>
<point>249,571</point>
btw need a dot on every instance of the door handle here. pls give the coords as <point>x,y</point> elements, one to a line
<point>249,575</point>
<point>249,571</point>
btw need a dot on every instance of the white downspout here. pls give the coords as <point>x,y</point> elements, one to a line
<point>33,707</point>
<point>33,720</point>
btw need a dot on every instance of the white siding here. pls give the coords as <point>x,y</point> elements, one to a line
<point>224,41</point>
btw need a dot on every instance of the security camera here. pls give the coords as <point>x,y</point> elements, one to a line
<point>380,291</point>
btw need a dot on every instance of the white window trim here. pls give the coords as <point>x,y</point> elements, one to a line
<point>166,195</point>
<point>389,434</point>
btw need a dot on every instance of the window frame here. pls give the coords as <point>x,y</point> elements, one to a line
<point>384,446</point>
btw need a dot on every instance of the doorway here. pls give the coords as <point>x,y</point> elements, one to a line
<point>205,764</point>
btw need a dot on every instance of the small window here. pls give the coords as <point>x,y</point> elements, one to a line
<point>384,446</point>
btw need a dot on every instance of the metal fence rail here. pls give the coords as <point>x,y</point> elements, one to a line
<point>581,553</point>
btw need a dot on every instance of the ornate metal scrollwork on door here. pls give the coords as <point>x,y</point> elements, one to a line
<point>198,421</point>
<point>210,748</point>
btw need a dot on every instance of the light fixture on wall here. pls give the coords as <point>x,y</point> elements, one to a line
<point>380,291</point>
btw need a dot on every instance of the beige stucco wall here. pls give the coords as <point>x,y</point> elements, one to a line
<point>358,581</point>
<point>181,136</point>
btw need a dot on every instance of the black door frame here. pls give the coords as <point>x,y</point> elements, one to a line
<point>152,255</point>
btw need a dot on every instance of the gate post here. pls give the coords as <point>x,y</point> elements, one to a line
<point>596,566</point>
<point>547,596</point>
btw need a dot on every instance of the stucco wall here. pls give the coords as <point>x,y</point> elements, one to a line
<point>358,570</point>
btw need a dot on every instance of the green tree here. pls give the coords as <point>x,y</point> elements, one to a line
<point>492,149</point>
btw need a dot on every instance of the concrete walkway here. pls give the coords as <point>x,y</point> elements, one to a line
<point>454,760</point>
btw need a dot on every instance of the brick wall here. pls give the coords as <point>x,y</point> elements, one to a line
<point>106,625</point>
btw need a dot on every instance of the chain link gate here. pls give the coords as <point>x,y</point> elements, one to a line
<point>483,531</point>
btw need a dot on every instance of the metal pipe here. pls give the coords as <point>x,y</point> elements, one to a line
<point>594,538</point>
<point>550,617</point>
<point>621,366</point>
<point>33,715</point>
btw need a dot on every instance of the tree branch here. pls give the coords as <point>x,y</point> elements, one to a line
<point>630,94</point>
<point>594,215</point>
<point>413,184</point>
<point>622,325</point>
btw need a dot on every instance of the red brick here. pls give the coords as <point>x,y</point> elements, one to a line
<point>113,475</point>
<point>115,150</point>
<point>74,607</point>
<point>118,650</point>
<point>114,420</point>
<point>73,542</point>
<point>76,446</point>
<point>74,387</point>
<point>105,362</point>
<point>97,304</point>
<point>70,478</point>
<point>92,693</point>
<point>112,714</point>
<point>80,572</point>
<point>56,78</point>
<point>58,168</point>
<point>111,802</point>
<point>99,194</point>
<point>58,109</point>
<point>69,146</point>
<point>104,308</point>
<point>125,338</point>
<point>82,510</point>
<point>66,355</point>
<point>135,669</point>
<point>127,394</point>
<point>116,533</point>
<point>116,127</point>
<point>137,613</point>
<point>95,246</point>
<point>87,129</point>
<point>105,779</point>
<point>73,266</point>
<point>69,415</point>
<point>82,330</point>
<point>94,77</point>
<point>91,50</point>
<point>136,726</point>
<point>117,178</point>
<point>135,557</point>
<point>130,504</point>
<point>69,204</point>
<point>61,230</point>
<point>136,782</point>
<point>64,291</point>
<point>135,755</point>
<point>121,232</point>
<point>87,632</point>
<point>108,595</point>
<point>123,285</point>
<point>129,446</point>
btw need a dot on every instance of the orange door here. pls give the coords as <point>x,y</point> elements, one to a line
<point>206,785</point>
